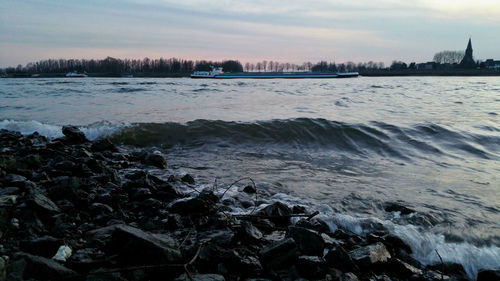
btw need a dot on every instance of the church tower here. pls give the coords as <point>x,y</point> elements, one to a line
<point>468,60</point>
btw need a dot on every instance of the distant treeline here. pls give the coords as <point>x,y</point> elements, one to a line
<point>175,66</point>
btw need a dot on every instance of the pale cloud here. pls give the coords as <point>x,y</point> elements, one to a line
<point>293,30</point>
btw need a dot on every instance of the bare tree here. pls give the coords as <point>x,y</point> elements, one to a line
<point>449,57</point>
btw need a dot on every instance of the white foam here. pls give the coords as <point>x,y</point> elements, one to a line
<point>424,244</point>
<point>92,131</point>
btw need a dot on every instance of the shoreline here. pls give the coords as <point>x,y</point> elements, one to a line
<point>72,209</point>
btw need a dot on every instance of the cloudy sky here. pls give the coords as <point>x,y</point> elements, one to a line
<point>248,30</point>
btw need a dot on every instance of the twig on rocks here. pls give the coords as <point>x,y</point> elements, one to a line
<point>442,264</point>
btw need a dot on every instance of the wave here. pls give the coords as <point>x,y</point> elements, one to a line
<point>387,140</point>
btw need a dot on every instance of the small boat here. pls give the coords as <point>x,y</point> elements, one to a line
<point>76,74</point>
<point>217,73</point>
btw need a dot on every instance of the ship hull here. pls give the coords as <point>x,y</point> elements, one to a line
<point>279,75</point>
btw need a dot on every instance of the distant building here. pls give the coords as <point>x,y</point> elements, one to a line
<point>468,60</point>
<point>427,65</point>
<point>492,64</point>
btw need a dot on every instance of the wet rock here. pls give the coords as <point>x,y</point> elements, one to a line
<point>488,275</point>
<point>187,178</point>
<point>249,233</point>
<point>339,258</point>
<point>278,213</point>
<point>309,242</point>
<point>45,246</point>
<point>311,267</point>
<point>155,159</point>
<point>370,255</point>
<point>279,254</point>
<point>74,135</point>
<point>136,247</point>
<point>102,236</point>
<point>240,266</point>
<point>402,269</point>
<point>103,145</point>
<point>200,204</point>
<point>200,277</point>
<point>396,207</point>
<point>349,276</point>
<point>249,189</point>
<point>451,269</point>
<point>3,269</point>
<point>25,266</point>
<point>41,202</point>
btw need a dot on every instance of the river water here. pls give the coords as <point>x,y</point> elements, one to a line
<point>346,147</point>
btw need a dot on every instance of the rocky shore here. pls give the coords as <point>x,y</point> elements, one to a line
<point>71,209</point>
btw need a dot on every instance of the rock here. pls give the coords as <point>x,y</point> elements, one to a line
<point>249,233</point>
<point>279,254</point>
<point>451,269</point>
<point>155,159</point>
<point>235,264</point>
<point>73,134</point>
<point>309,242</point>
<point>349,276</point>
<point>298,209</point>
<point>200,277</point>
<point>370,255</point>
<point>340,259</point>
<point>187,178</point>
<point>42,202</point>
<point>102,236</point>
<point>311,267</point>
<point>488,275</point>
<point>402,269</point>
<point>45,246</point>
<point>3,269</point>
<point>63,253</point>
<point>136,247</point>
<point>103,145</point>
<point>250,189</point>
<point>278,213</point>
<point>396,207</point>
<point>200,204</point>
<point>25,266</point>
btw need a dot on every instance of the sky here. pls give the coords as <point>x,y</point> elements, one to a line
<point>293,31</point>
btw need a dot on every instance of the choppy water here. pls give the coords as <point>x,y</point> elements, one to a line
<point>345,146</point>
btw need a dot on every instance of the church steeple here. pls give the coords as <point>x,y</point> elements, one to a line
<point>468,60</point>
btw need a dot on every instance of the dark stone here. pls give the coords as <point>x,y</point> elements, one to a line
<point>187,178</point>
<point>41,202</point>
<point>349,276</point>
<point>73,134</point>
<point>102,236</point>
<point>298,209</point>
<point>200,277</point>
<point>103,145</point>
<point>100,208</point>
<point>45,246</point>
<point>249,233</point>
<point>25,266</point>
<point>240,266</point>
<point>449,268</point>
<point>136,247</point>
<point>370,255</point>
<point>339,258</point>
<point>278,213</point>
<point>279,254</point>
<point>311,267</point>
<point>401,269</point>
<point>309,242</point>
<point>155,159</point>
<point>200,204</point>
<point>250,189</point>
<point>488,275</point>
<point>396,207</point>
